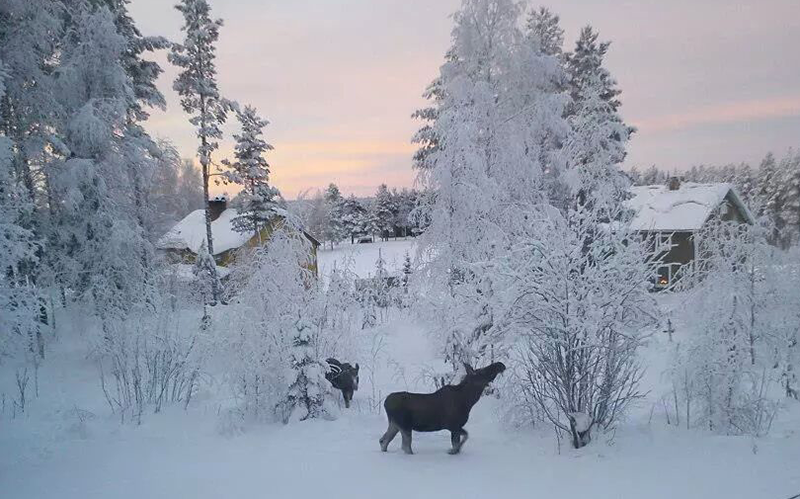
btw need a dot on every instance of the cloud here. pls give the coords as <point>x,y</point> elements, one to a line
<point>357,167</point>
<point>724,113</point>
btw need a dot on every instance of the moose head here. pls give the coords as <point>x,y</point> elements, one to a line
<point>344,377</point>
<point>483,376</point>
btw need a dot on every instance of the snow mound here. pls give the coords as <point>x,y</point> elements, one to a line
<point>582,421</point>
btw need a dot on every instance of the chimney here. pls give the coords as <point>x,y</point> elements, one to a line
<point>674,183</point>
<point>217,205</point>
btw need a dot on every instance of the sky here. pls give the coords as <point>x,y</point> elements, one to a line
<point>704,81</point>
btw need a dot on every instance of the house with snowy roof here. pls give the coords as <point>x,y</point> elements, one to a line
<point>671,215</point>
<point>182,243</point>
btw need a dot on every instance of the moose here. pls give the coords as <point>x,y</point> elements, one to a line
<point>344,377</point>
<point>446,409</point>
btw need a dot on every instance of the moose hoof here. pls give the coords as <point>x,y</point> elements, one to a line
<point>453,452</point>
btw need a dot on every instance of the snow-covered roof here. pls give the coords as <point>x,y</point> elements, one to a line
<point>190,232</point>
<point>685,209</point>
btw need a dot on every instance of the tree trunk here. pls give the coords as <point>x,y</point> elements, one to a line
<point>205,163</point>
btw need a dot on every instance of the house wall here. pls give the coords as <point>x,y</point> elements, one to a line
<point>682,251</point>
<point>226,258</point>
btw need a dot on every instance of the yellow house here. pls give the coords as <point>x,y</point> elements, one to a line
<point>181,243</point>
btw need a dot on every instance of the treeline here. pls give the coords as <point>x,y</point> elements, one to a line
<point>771,189</point>
<point>333,218</point>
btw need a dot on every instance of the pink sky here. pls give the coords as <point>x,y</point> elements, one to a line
<point>709,81</point>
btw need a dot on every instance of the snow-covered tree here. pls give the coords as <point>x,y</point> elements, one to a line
<point>596,147</point>
<point>353,217</point>
<point>305,398</point>
<point>197,86</point>
<point>596,144</point>
<point>312,211</point>
<point>722,372</point>
<point>100,251</point>
<point>788,187</point>
<point>384,210</point>
<point>543,28</point>
<point>175,189</point>
<point>205,273</point>
<point>20,325</point>
<point>341,309</point>
<point>334,230</point>
<point>277,366</point>
<point>498,123</point>
<point>190,187</point>
<point>258,201</point>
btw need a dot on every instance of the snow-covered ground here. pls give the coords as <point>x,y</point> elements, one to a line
<point>362,257</point>
<point>69,446</point>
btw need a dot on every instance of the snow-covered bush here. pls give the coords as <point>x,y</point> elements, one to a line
<point>275,366</point>
<point>743,319</point>
<point>578,301</point>
<point>152,358</point>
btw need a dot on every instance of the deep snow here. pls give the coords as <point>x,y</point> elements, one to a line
<point>362,257</point>
<point>48,453</point>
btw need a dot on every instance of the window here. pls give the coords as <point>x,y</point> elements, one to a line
<point>663,275</point>
<point>664,242</point>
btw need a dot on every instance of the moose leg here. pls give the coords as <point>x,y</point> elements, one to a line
<point>406,441</point>
<point>387,437</point>
<point>457,439</point>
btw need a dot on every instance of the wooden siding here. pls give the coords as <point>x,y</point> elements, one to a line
<point>228,257</point>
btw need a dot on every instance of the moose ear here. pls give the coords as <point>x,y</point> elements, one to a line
<point>469,368</point>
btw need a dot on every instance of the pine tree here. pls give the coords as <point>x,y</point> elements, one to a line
<point>384,211</point>
<point>596,145</point>
<point>258,201</point>
<point>306,392</point>
<point>543,28</point>
<point>585,69</point>
<point>205,272</point>
<point>407,269</point>
<point>426,137</point>
<point>99,248</point>
<point>197,86</point>
<point>334,231</point>
<point>353,218</point>
<point>788,187</point>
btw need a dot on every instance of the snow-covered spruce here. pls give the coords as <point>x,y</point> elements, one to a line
<point>258,200</point>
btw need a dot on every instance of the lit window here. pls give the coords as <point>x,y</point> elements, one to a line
<point>663,276</point>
